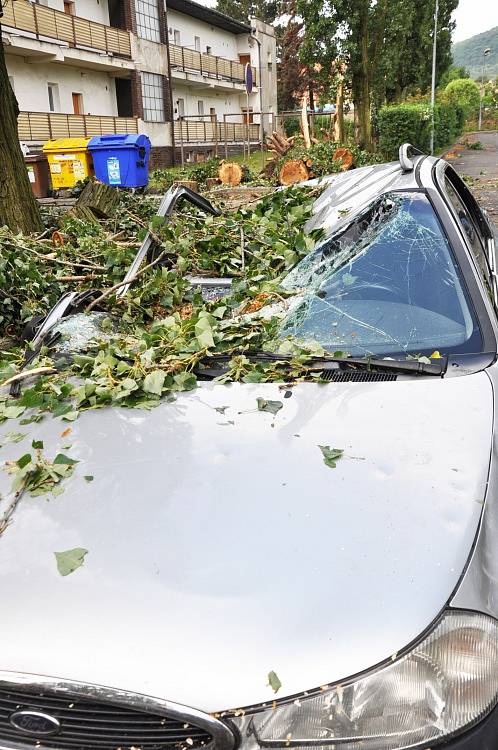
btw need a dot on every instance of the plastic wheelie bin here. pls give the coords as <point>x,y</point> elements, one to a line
<point>69,161</point>
<point>121,159</point>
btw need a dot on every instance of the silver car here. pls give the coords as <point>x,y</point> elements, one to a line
<point>241,592</point>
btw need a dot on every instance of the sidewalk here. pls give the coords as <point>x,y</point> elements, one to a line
<point>479,168</point>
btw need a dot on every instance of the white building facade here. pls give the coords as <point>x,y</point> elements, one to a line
<point>175,72</point>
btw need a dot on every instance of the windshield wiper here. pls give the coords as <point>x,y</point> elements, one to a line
<point>212,366</point>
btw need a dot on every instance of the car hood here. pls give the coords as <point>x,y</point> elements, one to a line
<point>220,545</point>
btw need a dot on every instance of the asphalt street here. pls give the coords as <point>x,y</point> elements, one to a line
<point>479,168</point>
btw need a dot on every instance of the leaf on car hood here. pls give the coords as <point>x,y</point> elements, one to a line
<point>274,682</point>
<point>331,455</point>
<point>272,406</point>
<point>70,560</point>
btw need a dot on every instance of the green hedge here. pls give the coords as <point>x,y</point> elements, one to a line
<point>411,123</point>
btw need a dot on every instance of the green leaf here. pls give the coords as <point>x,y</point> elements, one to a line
<point>274,681</point>
<point>70,416</point>
<point>24,460</point>
<point>70,560</point>
<point>88,478</point>
<point>12,437</point>
<point>12,412</point>
<point>64,460</point>
<point>272,406</point>
<point>331,455</point>
<point>37,444</point>
<point>153,382</point>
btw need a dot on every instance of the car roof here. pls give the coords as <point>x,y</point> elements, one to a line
<point>347,192</point>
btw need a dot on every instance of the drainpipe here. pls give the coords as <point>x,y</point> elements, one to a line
<point>170,87</point>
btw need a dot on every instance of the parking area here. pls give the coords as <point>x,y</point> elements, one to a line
<point>479,167</point>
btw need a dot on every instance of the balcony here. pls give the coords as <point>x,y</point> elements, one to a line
<point>218,68</point>
<point>42,126</point>
<point>214,132</point>
<point>47,23</point>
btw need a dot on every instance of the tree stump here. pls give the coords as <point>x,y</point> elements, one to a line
<point>212,182</point>
<point>292,171</point>
<point>97,201</point>
<point>345,156</point>
<point>192,184</point>
<point>230,173</point>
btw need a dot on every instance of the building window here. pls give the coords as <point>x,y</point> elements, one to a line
<point>54,104</point>
<point>176,36</point>
<point>200,107</point>
<point>208,50</point>
<point>153,97</point>
<point>197,43</point>
<point>148,26</point>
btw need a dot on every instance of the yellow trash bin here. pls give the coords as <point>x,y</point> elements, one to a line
<point>69,161</point>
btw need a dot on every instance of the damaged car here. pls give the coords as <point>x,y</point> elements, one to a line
<point>306,564</point>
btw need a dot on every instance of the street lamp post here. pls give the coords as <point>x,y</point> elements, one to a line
<point>485,53</point>
<point>433,85</point>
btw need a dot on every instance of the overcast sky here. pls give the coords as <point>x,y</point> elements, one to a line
<point>471,16</point>
<point>474,16</point>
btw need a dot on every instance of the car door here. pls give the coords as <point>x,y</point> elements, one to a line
<point>476,229</point>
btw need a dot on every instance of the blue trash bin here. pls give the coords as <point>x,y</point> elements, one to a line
<point>121,159</point>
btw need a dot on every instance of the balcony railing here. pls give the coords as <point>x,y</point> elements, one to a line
<point>42,126</point>
<point>214,132</point>
<point>53,24</point>
<point>189,60</point>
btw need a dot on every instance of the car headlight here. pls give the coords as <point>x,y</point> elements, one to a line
<point>445,684</point>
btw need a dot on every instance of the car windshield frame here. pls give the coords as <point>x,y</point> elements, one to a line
<point>478,342</point>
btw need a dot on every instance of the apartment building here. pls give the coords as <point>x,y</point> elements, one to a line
<point>172,69</point>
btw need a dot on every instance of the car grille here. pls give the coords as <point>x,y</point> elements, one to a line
<point>357,376</point>
<point>89,724</point>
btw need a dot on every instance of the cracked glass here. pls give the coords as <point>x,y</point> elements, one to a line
<point>385,284</point>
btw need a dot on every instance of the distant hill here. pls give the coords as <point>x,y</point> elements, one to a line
<point>469,53</point>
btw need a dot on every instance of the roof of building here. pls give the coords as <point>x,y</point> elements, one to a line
<point>208,15</point>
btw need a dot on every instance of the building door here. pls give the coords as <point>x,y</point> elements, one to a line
<point>77,103</point>
<point>212,114</point>
<point>68,8</point>
<point>244,59</point>
<point>177,37</point>
<point>247,117</point>
<point>180,103</point>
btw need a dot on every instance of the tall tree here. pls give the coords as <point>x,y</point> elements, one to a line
<point>386,45</point>
<point>242,10</point>
<point>18,208</point>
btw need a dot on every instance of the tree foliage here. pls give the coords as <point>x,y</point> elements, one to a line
<point>242,10</point>
<point>386,47</point>
<point>465,92</point>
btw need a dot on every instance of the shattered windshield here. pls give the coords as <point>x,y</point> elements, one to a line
<point>385,284</point>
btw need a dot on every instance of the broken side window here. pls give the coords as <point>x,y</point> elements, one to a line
<point>387,284</point>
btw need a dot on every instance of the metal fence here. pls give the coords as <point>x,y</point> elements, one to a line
<point>53,24</point>
<point>185,59</point>
<point>42,126</point>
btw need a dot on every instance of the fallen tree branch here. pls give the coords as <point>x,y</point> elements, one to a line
<point>107,292</point>
<point>27,373</point>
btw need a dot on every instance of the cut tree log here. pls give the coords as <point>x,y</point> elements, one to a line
<point>212,182</point>
<point>345,156</point>
<point>230,173</point>
<point>279,143</point>
<point>97,201</point>
<point>292,171</point>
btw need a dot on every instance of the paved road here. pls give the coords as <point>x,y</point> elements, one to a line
<point>479,168</point>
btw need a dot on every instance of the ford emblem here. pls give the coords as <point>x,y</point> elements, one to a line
<point>34,723</point>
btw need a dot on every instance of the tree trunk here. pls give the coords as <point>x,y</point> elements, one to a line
<point>361,89</point>
<point>18,207</point>
<point>339,110</point>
